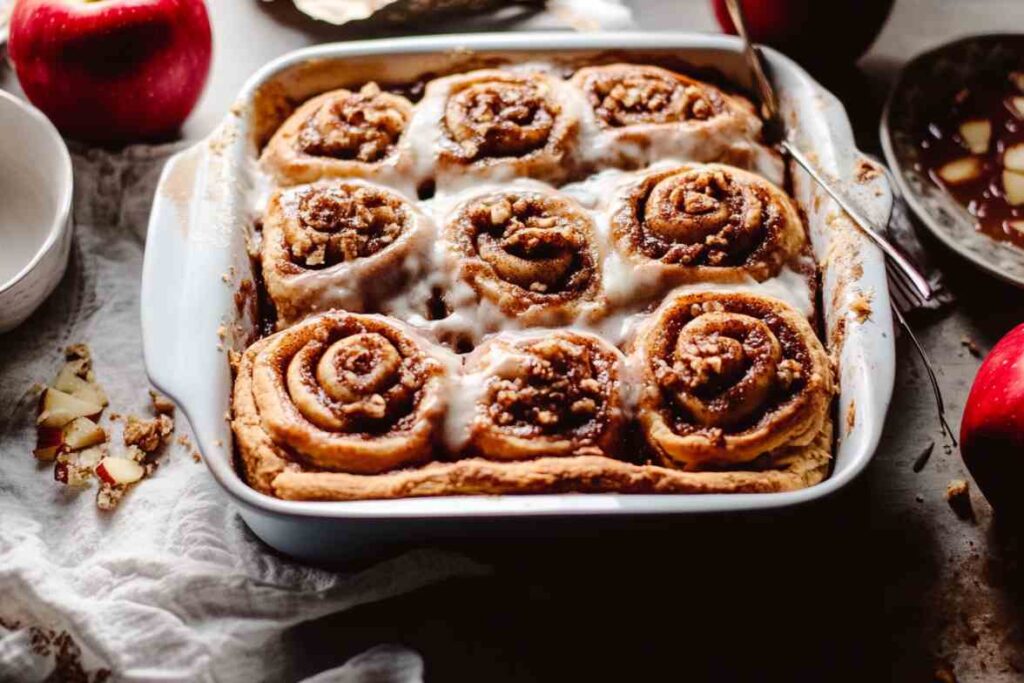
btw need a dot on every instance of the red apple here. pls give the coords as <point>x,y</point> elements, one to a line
<point>112,70</point>
<point>992,430</point>
<point>835,31</point>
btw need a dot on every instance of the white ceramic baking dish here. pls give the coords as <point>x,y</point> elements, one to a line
<point>196,258</point>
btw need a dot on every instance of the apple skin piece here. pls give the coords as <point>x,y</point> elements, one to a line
<point>57,408</point>
<point>992,428</point>
<point>113,71</point>
<point>119,471</point>
<point>48,443</point>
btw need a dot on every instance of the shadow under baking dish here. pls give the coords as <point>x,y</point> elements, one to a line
<point>196,236</point>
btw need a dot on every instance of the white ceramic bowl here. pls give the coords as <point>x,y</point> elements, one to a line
<point>35,209</point>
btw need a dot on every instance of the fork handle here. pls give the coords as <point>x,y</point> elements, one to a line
<point>865,224</point>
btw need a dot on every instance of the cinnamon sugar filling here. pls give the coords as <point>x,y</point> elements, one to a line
<point>344,223</point>
<point>635,96</point>
<point>363,126</point>
<point>500,118</point>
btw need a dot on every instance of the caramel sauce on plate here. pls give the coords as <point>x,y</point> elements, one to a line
<point>964,146</point>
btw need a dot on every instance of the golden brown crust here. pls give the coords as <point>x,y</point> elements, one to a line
<point>730,378</point>
<point>531,253</point>
<point>341,133</point>
<point>554,394</point>
<point>577,474</point>
<point>340,392</point>
<point>339,244</point>
<point>502,124</point>
<point>707,223</point>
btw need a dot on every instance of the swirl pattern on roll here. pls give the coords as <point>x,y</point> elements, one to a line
<point>338,243</point>
<point>553,395</point>
<point>531,253</point>
<point>339,392</point>
<point>707,222</point>
<point>341,134</point>
<point>504,124</point>
<point>628,94</point>
<point>637,114</point>
<point>730,377</point>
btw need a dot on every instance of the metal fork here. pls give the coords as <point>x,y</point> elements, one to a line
<point>910,285</point>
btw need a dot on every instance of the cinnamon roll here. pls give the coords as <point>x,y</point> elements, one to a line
<point>342,133</point>
<point>339,244</point>
<point>531,254</point>
<point>707,223</point>
<point>499,125</point>
<point>339,392</point>
<point>731,380</point>
<point>555,394</point>
<point>642,113</point>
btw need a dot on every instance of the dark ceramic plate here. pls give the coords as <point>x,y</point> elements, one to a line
<point>928,81</point>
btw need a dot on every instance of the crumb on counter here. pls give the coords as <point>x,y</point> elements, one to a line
<point>196,457</point>
<point>161,404</point>
<point>147,435</point>
<point>958,495</point>
<point>971,346</point>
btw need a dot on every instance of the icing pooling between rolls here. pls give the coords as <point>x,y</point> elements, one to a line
<point>534,240</point>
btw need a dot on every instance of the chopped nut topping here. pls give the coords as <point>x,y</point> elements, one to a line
<point>363,126</point>
<point>645,96</point>
<point>500,118</point>
<point>344,223</point>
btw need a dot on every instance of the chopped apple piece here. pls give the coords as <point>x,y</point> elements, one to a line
<point>961,171</point>
<point>90,457</point>
<point>1013,157</point>
<point>81,433</point>
<point>1013,185</point>
<point>73,379</point>
<point>1017,78</point>
<point>1016,106</point>
<point>57,408</point>
<point>1016,225</point>
<point>976,134</point>
<point>48,443</point>
<point>119,471</point>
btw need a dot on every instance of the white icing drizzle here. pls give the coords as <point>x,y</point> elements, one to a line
<point>627,287</point>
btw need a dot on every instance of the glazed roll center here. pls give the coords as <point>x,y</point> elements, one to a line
<point>554,389</point>
<point>350,383</point>
<point>726,368</point>
<point>363,126</point>
<point>499,119</point>
<point>338,224</point>
<point>645,98</point>
<point>530,242</point>
<point>703,215</point>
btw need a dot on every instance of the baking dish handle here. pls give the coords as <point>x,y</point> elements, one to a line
<point>166,325</point>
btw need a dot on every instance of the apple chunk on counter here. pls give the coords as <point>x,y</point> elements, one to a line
<point>57,408</point>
